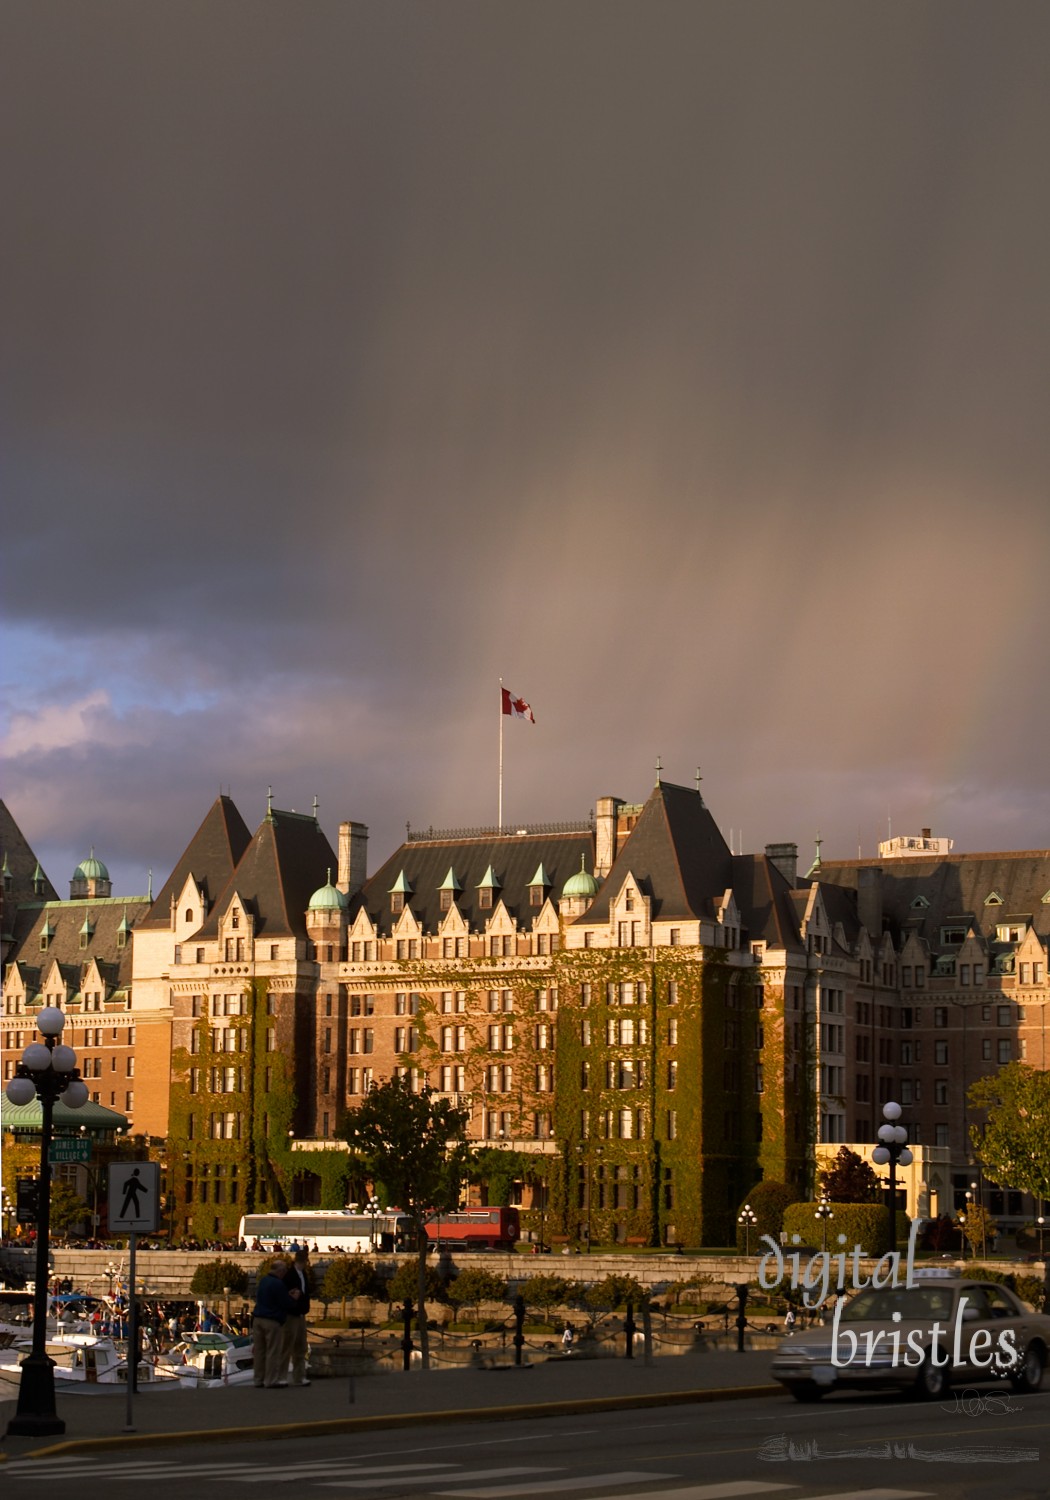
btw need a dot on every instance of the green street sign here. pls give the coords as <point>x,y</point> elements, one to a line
<point>69,1150</point>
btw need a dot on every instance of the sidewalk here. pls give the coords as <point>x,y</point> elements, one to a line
<point>95,1420</point>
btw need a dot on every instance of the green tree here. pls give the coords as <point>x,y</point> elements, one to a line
<point>1013,1145</point>
<point>850,1179</point>
<point>416,1146</point>
<point>612,1292</point>
<point>979,1227</point>
<point>350,1276</point>
<point>546,1291</point>
<point>68,1210</point>
<point>214,1276</point>
<point>404,1284</point>
<point>474,1286</point>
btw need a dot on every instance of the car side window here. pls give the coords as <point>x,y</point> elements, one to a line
<point>976,1302</point>
<point>999,1305</point>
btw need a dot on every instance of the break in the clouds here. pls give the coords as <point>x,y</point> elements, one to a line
<point>685,365</point>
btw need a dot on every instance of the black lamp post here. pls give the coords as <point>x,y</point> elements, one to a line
<point>372,1209</point>
<point>824,1212</point>
<point>748,1218</point>
<point>892,1148</point>
<point>48,1071</point>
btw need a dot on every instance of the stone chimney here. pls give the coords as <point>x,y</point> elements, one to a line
<point>353,857</point>
<point>785,858</point>
<point>605,814</point>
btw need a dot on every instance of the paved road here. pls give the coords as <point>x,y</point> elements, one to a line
<point>993,1447</point>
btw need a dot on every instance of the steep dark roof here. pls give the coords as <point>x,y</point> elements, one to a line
<point>285,862</point>
<point>513,857</point>
<point>956,887</point>
<point>211,857</point>
<point>677,854</point>
<point>765,901</point>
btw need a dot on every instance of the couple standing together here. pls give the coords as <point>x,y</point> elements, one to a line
<point>282,1301</point>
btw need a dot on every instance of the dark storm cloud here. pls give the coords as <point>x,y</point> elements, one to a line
<point>684,364</point>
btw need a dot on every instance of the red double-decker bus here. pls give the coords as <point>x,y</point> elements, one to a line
<point>476,1229</point>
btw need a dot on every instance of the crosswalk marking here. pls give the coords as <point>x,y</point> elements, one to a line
<point>877,1495</point>
<point>549,1486</point>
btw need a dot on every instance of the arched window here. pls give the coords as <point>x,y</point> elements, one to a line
<point>189,914</point>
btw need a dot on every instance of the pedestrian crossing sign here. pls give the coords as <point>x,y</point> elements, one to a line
<point>134,1191</point>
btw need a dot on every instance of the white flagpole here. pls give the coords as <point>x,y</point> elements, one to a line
<point>500,821</point>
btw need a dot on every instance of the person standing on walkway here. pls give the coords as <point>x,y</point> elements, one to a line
<point>295,1342</point>
<point>273,1303</point>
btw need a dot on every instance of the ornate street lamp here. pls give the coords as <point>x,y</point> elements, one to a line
<point>824,1212</point>
<point>48,1071</point>
<point>748,1218</point>
<point>892,1148</point>
<point>1041,1221</point>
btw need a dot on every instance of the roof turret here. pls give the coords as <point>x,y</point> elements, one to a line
<point>580,884</point>
<point>328,897</point>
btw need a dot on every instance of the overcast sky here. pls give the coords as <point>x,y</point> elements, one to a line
<point>684,364</point>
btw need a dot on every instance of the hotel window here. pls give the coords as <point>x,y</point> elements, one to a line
<point>986,1050</point>
<point>445,900</point>
<point>940,1054</point>
<point>485,898</point>
<point>940,1017</point>
<point>1004,1017</point>
<point>1004,1050</point>
<point>397,903</point>
<point>940,1091</point>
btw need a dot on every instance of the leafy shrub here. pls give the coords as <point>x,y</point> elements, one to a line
<point>350,1276</point>
<point>404,1284</point>
<point>474,1286</point>
<point>211,1278</point>
<point>612,1292</point>
<point>547,1291</point>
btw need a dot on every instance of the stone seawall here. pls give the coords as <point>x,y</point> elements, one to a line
<point>168,1273</point>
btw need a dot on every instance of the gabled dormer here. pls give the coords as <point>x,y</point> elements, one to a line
<point>815,929</point>
<point>188,909</point>
<point>87,930</point>
<point>55,985</point>
<point>449,891</point>
<point>236,930</point>
<point>915,962</point>
<point>47,933</point>
<point>487,888</point>
<point>728,915</point>
<point>400,893</point>
<point>453,923</point>
<point>972,961</point>
<point>631,915</point>
<point>1030,965</point>
<point>539,885</point>
<point>886,962</point>
<point>407,924</point>
<point>501,932</point>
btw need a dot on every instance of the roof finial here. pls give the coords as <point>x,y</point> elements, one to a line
<point>816,858</point>
<point>316,806</point>
<point>149,889</point>
<point>269,803</point>
<point>699,779</point>
<point>659,768</point>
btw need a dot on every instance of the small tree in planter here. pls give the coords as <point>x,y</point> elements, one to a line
<point>216,1276</point>
<point>547,1292</point>
<point>350,1276</point>
<point>613,1292</point>
<point>473,1287</point>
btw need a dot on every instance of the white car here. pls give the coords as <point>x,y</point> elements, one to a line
<point>922,1338</point>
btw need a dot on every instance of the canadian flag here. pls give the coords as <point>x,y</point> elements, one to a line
<point>516,707</point>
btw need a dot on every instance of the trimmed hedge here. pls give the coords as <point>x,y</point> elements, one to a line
<point>861,1223</point>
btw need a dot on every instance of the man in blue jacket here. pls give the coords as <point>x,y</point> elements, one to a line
<point>273,1304</point>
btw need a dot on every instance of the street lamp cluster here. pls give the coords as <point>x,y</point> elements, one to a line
<point>48,1072</point>
<point>892,1148</point>
<point>748,1219</point>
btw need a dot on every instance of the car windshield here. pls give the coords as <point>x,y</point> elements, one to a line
<point>914,1304</point>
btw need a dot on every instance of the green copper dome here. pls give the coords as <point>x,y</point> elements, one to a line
<point>580,884</point>
<point>91,869</point>
<point>328,898</point>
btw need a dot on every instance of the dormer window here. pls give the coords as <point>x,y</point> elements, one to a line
<point>235,919</point>
<point>486,886</point>
<point>45,941</point>
<point>189,915</point>
<point>397,903</point>
<point>539,885</point>
<point>448,890</point>
<point>628,901</point>
<point>535,895</point>
<point>122,938</point>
